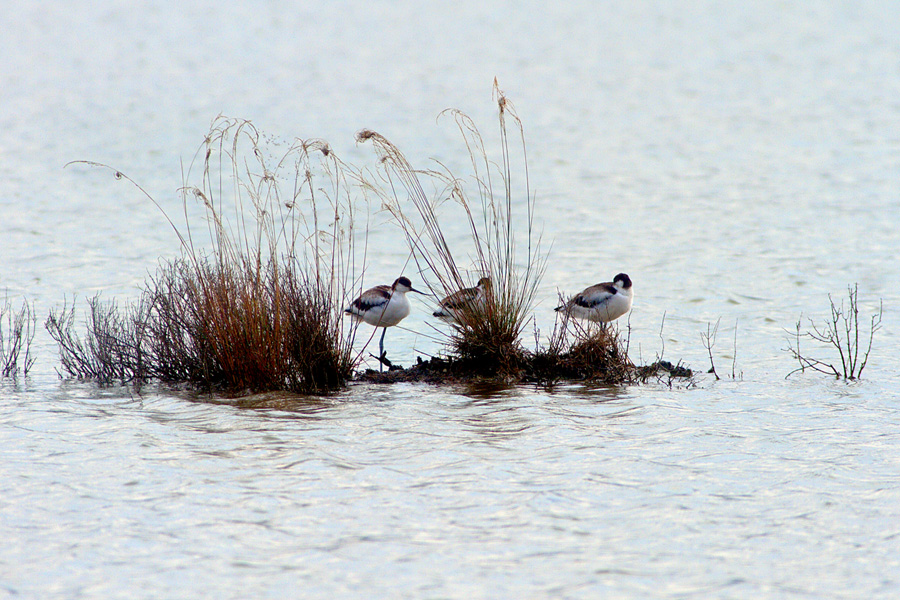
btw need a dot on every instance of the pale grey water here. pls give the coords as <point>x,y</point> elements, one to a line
<point>739,162</point>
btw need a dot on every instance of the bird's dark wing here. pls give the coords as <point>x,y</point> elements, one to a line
<point>373,298</point>
<point>595,295</point>
<point>459,299</point>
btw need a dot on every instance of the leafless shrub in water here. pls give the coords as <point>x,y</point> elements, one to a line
<point>708,340</point>
<point>15,342</point>
<point>841,331</point>
<point>253,305</point>
<point>113,347</point>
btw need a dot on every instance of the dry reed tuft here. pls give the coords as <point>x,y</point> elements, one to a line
<point>255,305</point>
<point>486,335</point>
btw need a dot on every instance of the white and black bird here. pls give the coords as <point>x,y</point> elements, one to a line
<point>383,306</point>
<point>466,299</point>
<point>603,302</point>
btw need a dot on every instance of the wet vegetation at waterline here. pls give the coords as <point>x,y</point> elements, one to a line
<point>253,302</point>
<point>596,354</point>
<point>254,299</point>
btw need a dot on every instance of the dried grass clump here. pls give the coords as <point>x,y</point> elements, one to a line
<point>246,328</point>
<point>486,350</point>
<point>582,352</point>
<point>487,335</point>
<point>15,341</point>
<point>255,305</point>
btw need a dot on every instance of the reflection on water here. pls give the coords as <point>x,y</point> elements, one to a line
<point>493,420</point>
<point>486,390</point>
<point>287,402</point>
<point>739,161</point>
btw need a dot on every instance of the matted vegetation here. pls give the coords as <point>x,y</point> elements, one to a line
<point>254,304</point>
<point>583,351</point>
<point>596,354</point>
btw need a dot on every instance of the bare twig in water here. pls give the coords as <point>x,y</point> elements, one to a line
<point>841,331</point>
<point>709,340</point>
<point>662,340</point>
<point>15,344</point>
<point>734,353</point>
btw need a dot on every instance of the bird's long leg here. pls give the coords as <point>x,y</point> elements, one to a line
<point>381,349</point>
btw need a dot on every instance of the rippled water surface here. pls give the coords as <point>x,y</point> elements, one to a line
<point>738,162</point>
